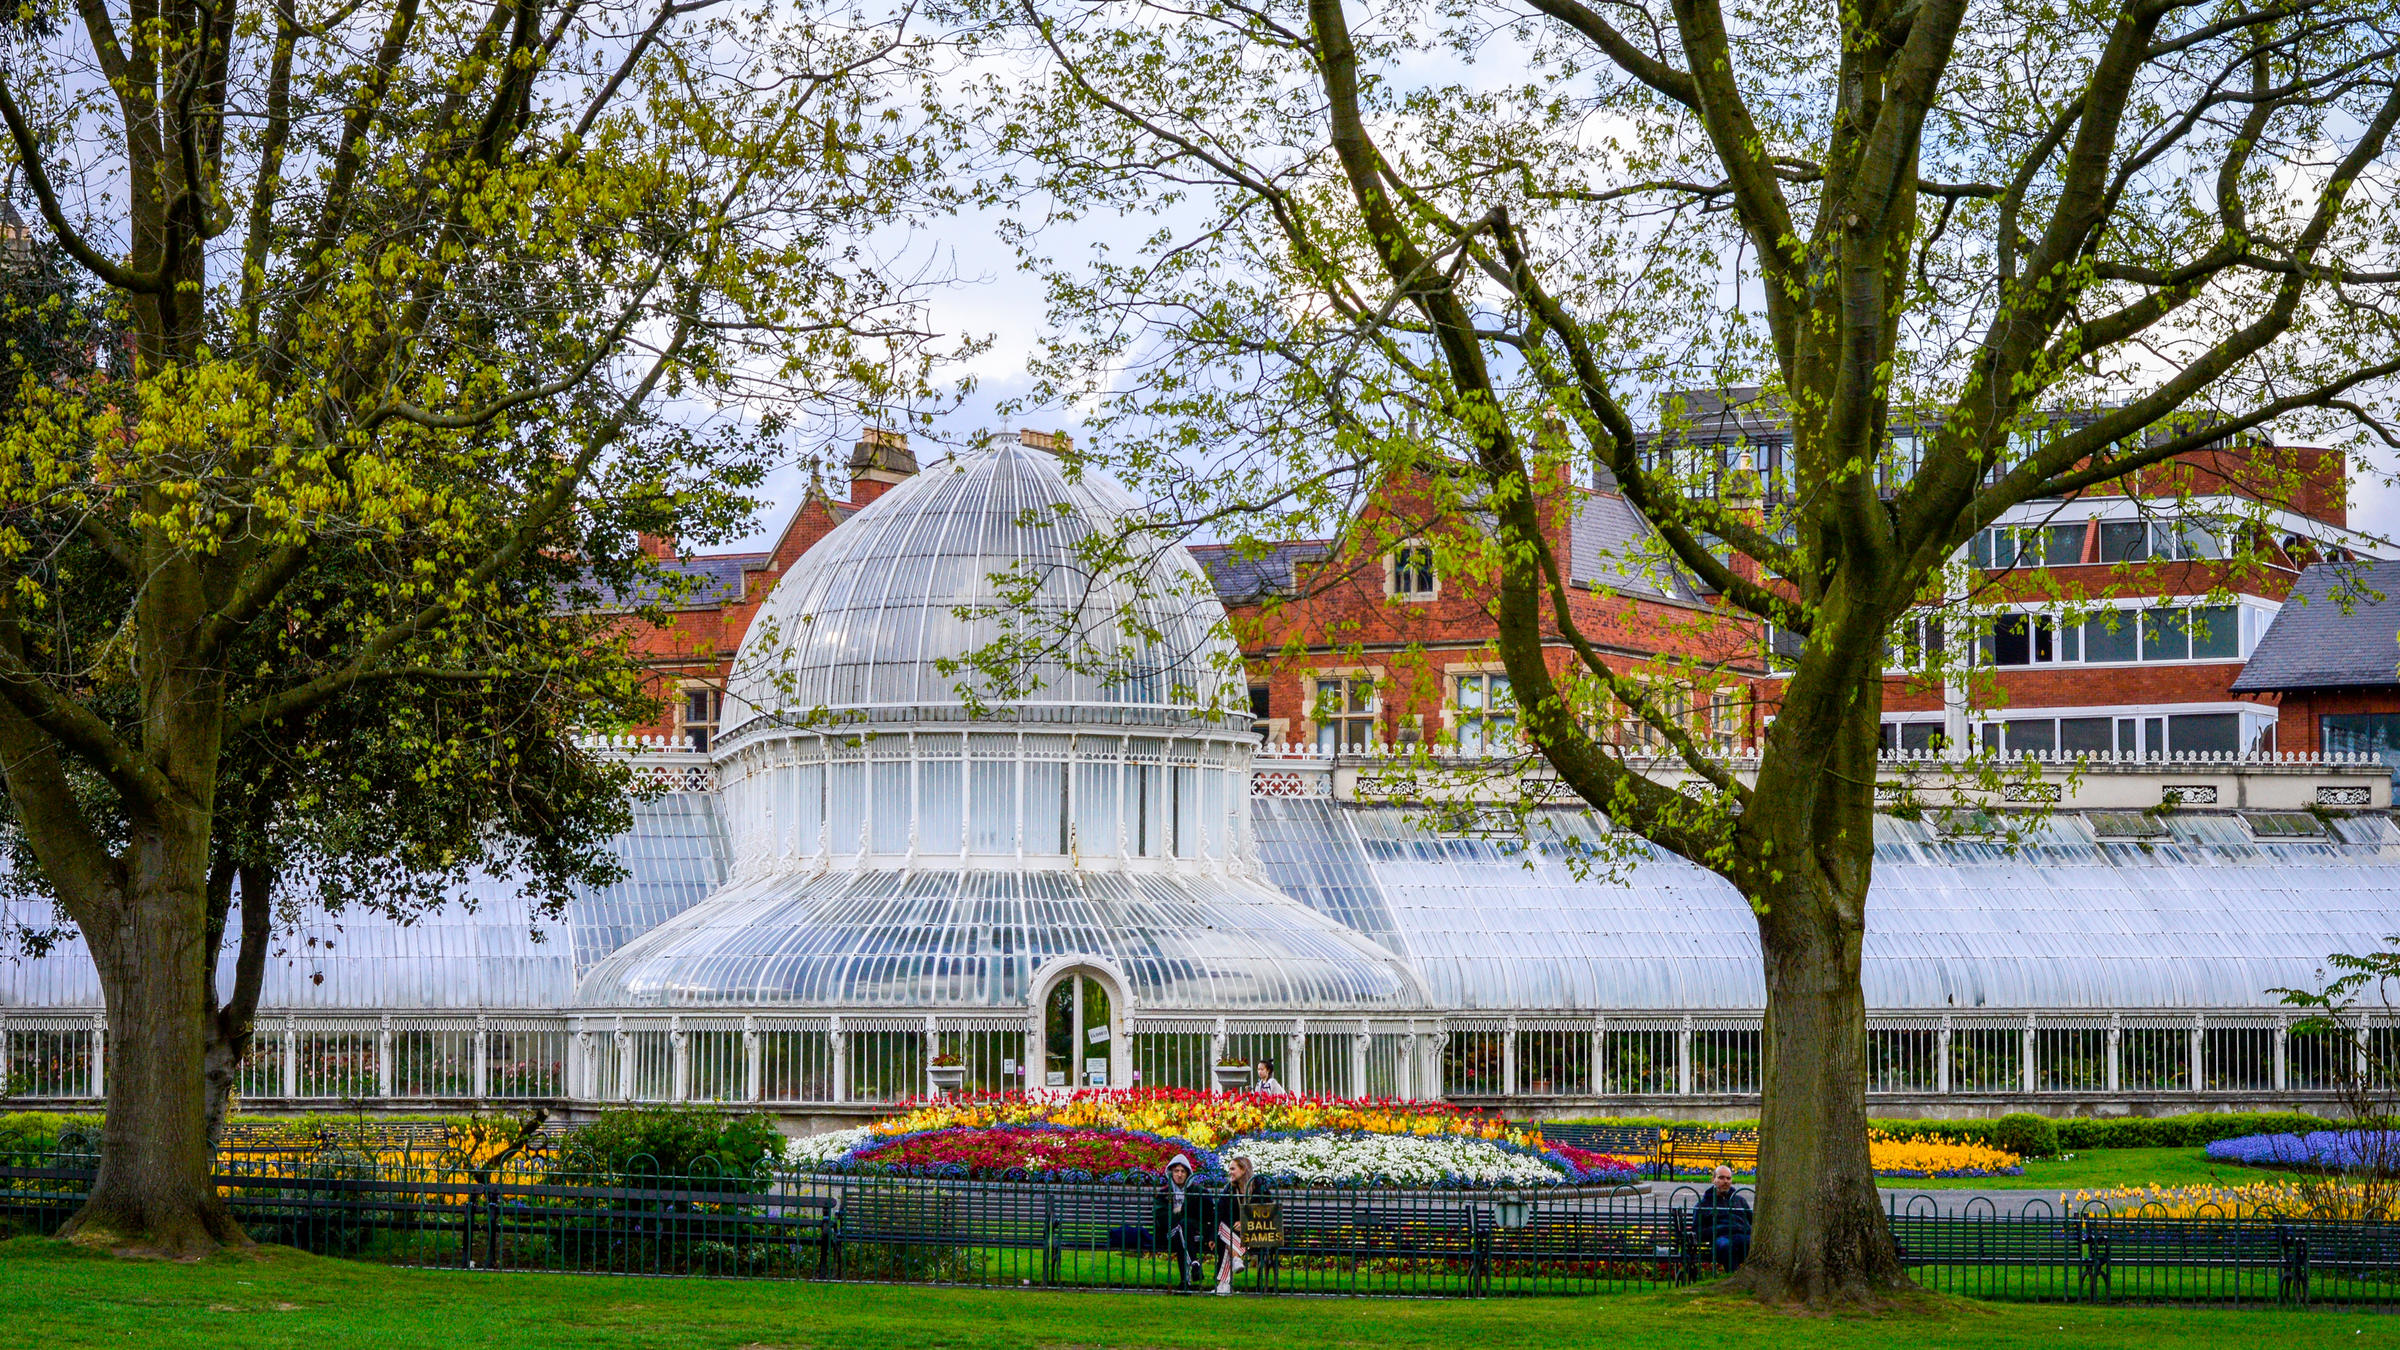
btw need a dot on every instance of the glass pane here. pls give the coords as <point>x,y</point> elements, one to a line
<point>2124,541</point>
<point>2109,636</point>
<point>2204,733</point>
<point>2216,632</point>
<point>2164,637</point>
<point>2062,545</point>
<point>2038,736</point>
<point>1470,693</point>
<point>1093,1049</point>
<point>2085,735</point>
<point>2010,644</point>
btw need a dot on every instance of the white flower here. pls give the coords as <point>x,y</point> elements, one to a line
<point>1399,1159</point>
<point>824,1148</point>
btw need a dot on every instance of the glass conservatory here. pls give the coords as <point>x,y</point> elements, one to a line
<point>970,801</point>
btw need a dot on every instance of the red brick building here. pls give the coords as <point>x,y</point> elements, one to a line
<point>1384,636</point>
<point>2120,622</point>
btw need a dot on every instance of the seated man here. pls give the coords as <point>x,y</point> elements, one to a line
<point>1721,1222</point>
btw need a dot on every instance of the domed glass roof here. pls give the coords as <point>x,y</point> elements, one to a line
<point>996,588</point>
<point>979,939</point>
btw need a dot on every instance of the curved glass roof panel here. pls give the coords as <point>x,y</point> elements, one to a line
<point>978,939</point>
<point>999,588</point>
<point>1953,924</point>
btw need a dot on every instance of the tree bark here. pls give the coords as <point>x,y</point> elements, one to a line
<point>1820,1234</point>
<point>231,1024</point>
<point>154,1194</point>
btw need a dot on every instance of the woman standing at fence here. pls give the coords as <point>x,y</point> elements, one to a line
<point>1242,1190</point>
<point>1182,1220</point>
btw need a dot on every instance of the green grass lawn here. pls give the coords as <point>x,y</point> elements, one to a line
<point>2099,1169</point>
<point>54,1296</point>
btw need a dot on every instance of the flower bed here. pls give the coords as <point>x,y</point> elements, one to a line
<point>2317,1199</point>
<point>2323,1150</point>
<point>1205,1118</point>
<point>1021,1153</point>
<point>1938,1158</point>
<point>1361,1158</point>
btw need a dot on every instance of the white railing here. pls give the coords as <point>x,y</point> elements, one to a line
<point>793,1060</point>
<point>1301,754</point>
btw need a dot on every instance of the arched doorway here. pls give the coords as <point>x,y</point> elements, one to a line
<point>1078,1032</point>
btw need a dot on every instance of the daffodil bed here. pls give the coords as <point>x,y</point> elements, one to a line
<point>1130,1135</point>
<point>1938,1158</point>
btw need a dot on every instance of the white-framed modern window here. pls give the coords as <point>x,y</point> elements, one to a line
<point>1485,709</point>
<point>2103,542</point>
<point>1917,643</point>
<point>1414,576</point>
<point>2143,635</point>
<point>703,707</point>
<point>2132,732</point>
<point>1346,710</point>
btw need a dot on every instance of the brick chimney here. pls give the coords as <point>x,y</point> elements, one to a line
<point>660,546</point>
<point>880,461</point>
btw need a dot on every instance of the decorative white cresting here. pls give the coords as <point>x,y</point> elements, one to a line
<point>983,666</point>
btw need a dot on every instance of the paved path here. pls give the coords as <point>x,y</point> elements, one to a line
<point>1948,1201</point>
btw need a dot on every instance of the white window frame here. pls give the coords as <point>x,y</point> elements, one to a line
<point>1373,716</point>
<point>1393,570</point>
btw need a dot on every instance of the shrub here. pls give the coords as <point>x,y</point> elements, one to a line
<point>2025,1134</point>
<point>28,1132</point>
<point>675,1141</point>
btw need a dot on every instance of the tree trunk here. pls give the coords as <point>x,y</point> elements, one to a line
<point>232,1022</point>
<point>1820,1233</point>
<point>154,1194</point>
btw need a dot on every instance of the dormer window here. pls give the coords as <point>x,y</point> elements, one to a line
<point>1413,575</point>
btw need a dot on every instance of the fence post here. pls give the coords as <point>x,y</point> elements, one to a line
<point>2283,1032</point>
<point>837,1045</point>
<point>1437,1054</point>
<point>1683,1059</point>
<point>483,1057</point>
<point>624,1084</point>
<point>1600,1055</point>
<point>291,1056</point>
<point>1941,1051</point>
<point>933,1046</point>
<point>1295,1060</point>
<point>2116,1052</point>
<point>679,1062</point>
<point>753,1083</point>
<point>383,1058</point>
<point>1405,1088</point>
<point>1358,1060</point>
<point>2199,1048</point>
<point>100,1054</point>
<point>2031,1048</point>
<point>1508,1057</point>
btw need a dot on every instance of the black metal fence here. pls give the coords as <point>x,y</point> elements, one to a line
<point>1345,1241</point>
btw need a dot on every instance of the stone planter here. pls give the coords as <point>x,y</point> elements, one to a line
<point>947,1078</point>
<point>1232,1078</point>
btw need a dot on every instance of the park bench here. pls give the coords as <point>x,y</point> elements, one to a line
<point>1657,1238</point>
<point>2217,1248</point>
<point>1995,1243</point>
<point>1682,1150</point>
<point>1625,1141</point>
<point>2359,1251</point>
<point>1047,1220</point>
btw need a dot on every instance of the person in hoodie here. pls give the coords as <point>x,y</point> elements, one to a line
<point>1182,1220</point>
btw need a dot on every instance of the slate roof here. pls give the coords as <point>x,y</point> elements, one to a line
<point>716,580</point>
<point>1610,544</point>
<point>1240,577</point>
<point>2339,628</point>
